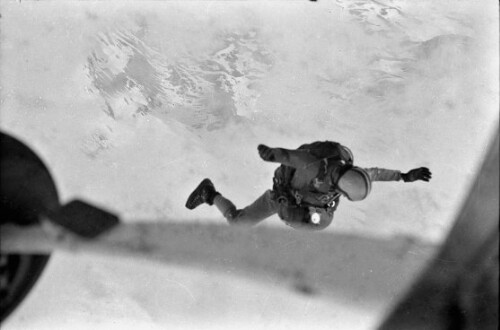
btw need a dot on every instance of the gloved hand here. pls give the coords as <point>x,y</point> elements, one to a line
<point>268,154</point>
<point>421,173</point>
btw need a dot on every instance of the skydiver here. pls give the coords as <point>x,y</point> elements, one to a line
<point>307,186</point>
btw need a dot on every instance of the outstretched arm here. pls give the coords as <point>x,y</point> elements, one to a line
<point>293,158</point>
<point>382,174</point>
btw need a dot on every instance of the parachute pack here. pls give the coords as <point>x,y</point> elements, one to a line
<point>322,150</point>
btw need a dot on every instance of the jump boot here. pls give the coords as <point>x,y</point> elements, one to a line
<point>204,193</point>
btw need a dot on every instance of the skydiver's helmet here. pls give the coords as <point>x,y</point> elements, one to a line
<point>355,184</point>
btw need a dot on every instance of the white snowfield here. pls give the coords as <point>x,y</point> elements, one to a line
<point>131,104</point>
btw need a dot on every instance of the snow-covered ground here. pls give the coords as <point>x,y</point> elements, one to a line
<point>132,104</point>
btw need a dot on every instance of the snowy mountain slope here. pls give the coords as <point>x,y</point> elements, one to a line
<point>142,109</point>
<point>204,91</point>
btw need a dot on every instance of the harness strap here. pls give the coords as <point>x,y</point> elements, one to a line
<point>295,198</point>
<point>329,201</point>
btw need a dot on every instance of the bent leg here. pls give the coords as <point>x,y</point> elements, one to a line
<point>254,213</point>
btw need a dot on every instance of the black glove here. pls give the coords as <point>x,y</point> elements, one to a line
<point>421,173</point>
<point>266,153</point>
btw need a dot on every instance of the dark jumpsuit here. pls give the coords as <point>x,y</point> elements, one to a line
<point>306,167</point>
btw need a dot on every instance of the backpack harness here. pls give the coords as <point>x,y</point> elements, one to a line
<point>335,159</point>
